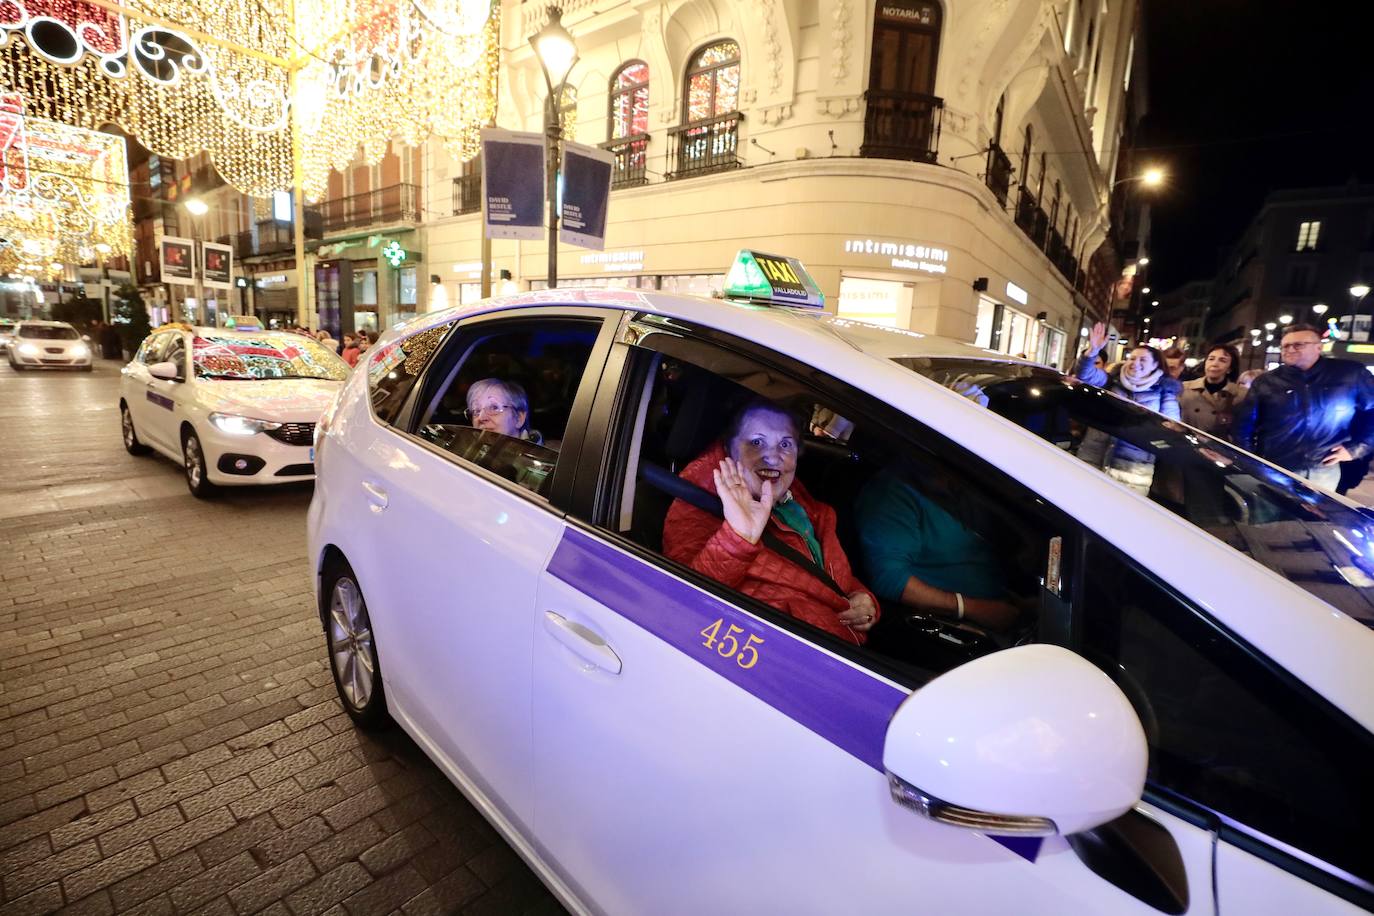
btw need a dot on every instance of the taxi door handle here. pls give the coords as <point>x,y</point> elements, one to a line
<point>376,496</point>
<point>582,642</point>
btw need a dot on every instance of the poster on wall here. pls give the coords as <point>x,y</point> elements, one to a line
<point>586,195</point>
<point>512,184</point>
<point>178,260</point>
<point>217,262</point>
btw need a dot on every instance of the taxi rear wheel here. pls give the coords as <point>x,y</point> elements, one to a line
<point>352,648</point>
<point>131,443</point>
<point>193,461</point>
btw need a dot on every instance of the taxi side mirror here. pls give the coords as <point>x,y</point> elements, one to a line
<point>167,371</point>
<point>1032,740</point>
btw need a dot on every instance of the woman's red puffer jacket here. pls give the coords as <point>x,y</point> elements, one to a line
<point>710,546</point>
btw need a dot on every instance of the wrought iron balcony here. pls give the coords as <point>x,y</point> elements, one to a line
<point>467,194</point>
<point>275,236</point>
<point>631,156</point>
<point>1032,220</point>
<point>998,176</point>
<point>901,125</point>
<point>394,204</point>
<point>706,146</point>
<point>1054,246</point>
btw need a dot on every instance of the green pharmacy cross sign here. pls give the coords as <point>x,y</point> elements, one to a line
<point>394,253</point>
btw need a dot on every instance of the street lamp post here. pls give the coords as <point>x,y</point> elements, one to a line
<point>1358,292</point>
<point>197,208</point>
<point>557,53</point>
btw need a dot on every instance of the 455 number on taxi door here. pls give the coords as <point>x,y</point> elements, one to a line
<point>727,644</point>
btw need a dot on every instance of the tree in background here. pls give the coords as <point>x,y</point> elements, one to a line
<point>78,311</point>
<point>131,317</point>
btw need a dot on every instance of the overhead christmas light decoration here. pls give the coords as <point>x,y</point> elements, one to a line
<point>263,86</point>
<point>64,193</point>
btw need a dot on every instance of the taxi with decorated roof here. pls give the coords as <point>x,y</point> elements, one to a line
<point>1076,696</point>
<point>231,406</point>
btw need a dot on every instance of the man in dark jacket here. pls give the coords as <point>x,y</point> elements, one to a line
<point>1311,413</point>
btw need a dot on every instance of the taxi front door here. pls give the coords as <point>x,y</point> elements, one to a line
<point>692,756</point>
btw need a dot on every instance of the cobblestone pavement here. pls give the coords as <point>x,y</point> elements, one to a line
<point>170,739</point>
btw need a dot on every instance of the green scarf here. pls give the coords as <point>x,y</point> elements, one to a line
<point>791,514</point>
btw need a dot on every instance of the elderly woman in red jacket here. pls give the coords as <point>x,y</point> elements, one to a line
<point>753,470</point>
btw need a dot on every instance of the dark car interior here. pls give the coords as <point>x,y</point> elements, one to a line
<point>687,409</point>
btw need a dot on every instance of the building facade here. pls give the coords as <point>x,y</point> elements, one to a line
<point>1179,319</point>
<point>946,168</point>
<point>1298,261</point>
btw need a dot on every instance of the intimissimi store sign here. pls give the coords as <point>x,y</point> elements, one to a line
<point>911,12</point>
<point>926,259</point>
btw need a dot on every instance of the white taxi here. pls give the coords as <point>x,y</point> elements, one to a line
<point>48,345</point>
<point>232,407</point>
<point>1170,710</point>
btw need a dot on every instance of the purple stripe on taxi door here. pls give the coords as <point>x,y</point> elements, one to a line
<point>842,704</point>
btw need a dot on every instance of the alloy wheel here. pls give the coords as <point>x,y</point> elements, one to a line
<point>128,423</point>
<point>194,468</point>
<point>350,643</point>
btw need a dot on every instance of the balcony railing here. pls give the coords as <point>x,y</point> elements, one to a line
<point>706,146</point>
<point>901,125</point>
<point>275,237</point>
<point>631,156</point>
<point>467,194</point>
<point>998,175</point>
<point>397,203</point>
<point>1054,246</point>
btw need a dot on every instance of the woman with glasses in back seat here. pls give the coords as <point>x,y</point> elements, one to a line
<point>501,407</point>
<point>772,541</point>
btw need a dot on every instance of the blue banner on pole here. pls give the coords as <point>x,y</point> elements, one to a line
<point>512,184</point>
<point>586,195</point>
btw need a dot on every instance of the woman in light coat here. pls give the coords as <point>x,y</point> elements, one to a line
<point>1209,402</point>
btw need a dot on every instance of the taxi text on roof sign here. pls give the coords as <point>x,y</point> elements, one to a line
<point>760,277</point>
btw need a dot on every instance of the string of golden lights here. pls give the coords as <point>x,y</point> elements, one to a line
<point>235,78</point>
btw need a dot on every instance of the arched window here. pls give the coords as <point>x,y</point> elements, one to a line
<point>713,82</point>
<point>630,101</point>
<point>1026,158</point>
<point>567,112</point>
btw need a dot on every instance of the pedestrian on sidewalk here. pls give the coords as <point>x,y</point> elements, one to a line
<point>1311,413</point>
<point>1209,401</point>
<point>1141,378</point>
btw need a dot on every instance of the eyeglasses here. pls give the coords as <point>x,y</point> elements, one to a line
<point>472,413</point>
<point>1299,346</point>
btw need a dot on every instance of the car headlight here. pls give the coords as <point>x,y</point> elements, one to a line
<point>28,349</point>
<point>80,351</point>
<point>235,425</point>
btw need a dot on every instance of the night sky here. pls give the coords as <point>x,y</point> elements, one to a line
<point>1249,96</point>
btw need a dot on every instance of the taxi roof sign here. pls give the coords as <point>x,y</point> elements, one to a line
<point>759,277</point>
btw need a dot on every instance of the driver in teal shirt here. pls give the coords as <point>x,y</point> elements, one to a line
<point>920,555</point>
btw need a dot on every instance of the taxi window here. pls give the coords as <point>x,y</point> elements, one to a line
<point>1226,731</point>
<point>395,368</point>
<point>884,513</point>
<point>504,401</point>
<point>1311,539</point>
<point>151,349</point>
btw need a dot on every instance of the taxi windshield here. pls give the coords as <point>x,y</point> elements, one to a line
<point>1314,540</point>
<point>48,332</point>
<point>243,357</point>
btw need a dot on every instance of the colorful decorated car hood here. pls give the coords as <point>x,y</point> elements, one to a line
<point>283,400</point>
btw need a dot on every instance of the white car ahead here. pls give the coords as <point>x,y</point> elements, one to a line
<point>48,345</point>
<point>1173,713</point>
<point>232,407</point>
